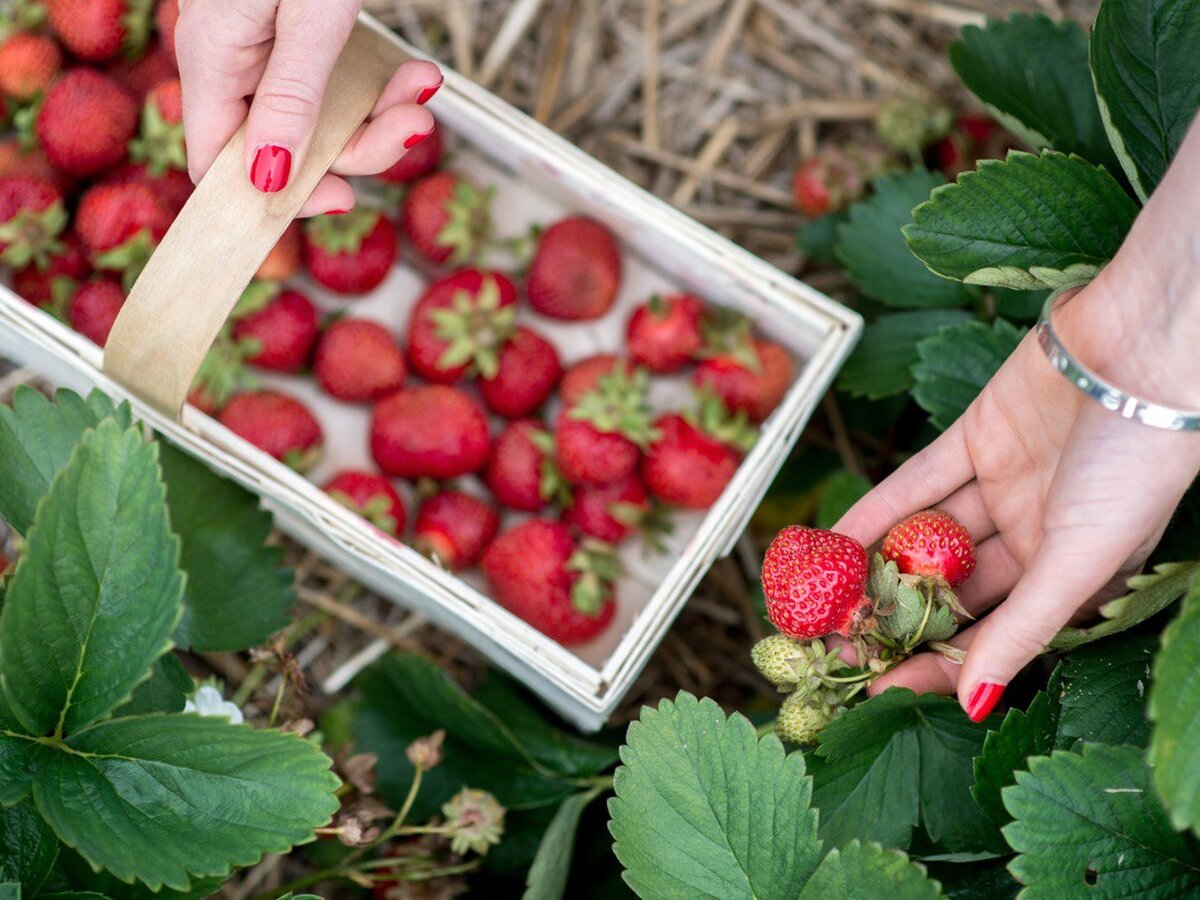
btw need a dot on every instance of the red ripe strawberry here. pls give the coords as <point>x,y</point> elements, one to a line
<point>417,162</point>
<point>526,375</point>
<point>931,544</point>
<point>521,470</point>
<point>53,287</point>
<point>686,466</point>
<point>94,308</point>
<point>16,159</point>
<point>609,512</point>
<point>834,178</point>
<point>582,377</point>
<point>120,225</point>
<point>815,583</point>
<point>100,29</point>
<point>277,424</point>
<point>664,334</point>
<point>32,217</point>
<point>576,270</point>
<point>86,121</point>
<point>372,497</point>
<point>359,361</point>
<point>283,262</point>
<point>811,187</point>
<point>540,574</point>
<point>460,324</point>
<point>28,64</point>
<point>599,439</point>
<point>139,76</point>
<point>160,142</point>
<point>431,431</point>
<point>454,529</point>
<point>173,187</point>
<point>446,218</point>
<point>166,17</point>
<point>277,328</point>
<point>350,253</point>
<point>754,384</point>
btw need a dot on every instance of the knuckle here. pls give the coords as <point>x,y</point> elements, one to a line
<point>288,97</point>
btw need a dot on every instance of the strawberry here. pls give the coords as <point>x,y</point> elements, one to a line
<point>460,325</point>
<point>358,361</point>
<point>94,308</point>
<point>283,262</point>
<point>223,372</point>
<point>277,424</point>
<point>53,287</point>
<point>121,224</point>
<point>100,29</point>
<point>372,497</point>
<point>166,17</point>
<point>139,76</point>
<point>279,328</point>
<point>664,333</point>
<point>173,187</point>
<point>446,218</point>
<point>527,372</point>
<point>815,583</point>
<point>16,159</point>
<point>417,162</point>
<point>86,121</point>
<point>159,144</point>
<point>609,512</point>
<point>752,379</point>
<point>931,544</point>
<point>521,470</point>
<point>350,253</point>
<point>834,178</point>
<point>599,439</point>
<point>32,217</point>
<point>563,589</point>
<point>582,377</point>
<point>28,64</point>
<point>687,467</point>
<point>576,270</point>
<point>431,431</point>
<point>454,529</point>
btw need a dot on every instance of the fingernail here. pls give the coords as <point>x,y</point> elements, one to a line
<point>337,212</point>
<point>427,93</point>
<point>271,168</point>
<point>983,699</point>
<point>414,139</point>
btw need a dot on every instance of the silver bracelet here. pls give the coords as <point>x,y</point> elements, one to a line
<point>1108,395</point>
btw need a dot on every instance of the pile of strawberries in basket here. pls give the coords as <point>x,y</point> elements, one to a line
<point>93,172</point>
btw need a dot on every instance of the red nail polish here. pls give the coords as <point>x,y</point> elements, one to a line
<point>427,93</point>
<point>271,168</point>
<point>983,700</point>
<point>414,139</point>
<point>337,212</point>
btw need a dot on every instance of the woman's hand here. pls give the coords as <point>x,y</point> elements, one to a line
<point>280,53</point>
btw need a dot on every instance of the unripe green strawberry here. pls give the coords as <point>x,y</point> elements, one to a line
<point>773,656</point>
<point>800,722</point>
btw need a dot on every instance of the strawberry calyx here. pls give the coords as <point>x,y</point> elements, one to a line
<point>552,487</point>
<point>136,22</point>
<point>619,404</point>
<point>128,258</point>
<point>301,459</point>
<point>713,417</point>
<point>159,143</point>
<point>910,610</point>
<point>31,237</point>
<point>376,510</point>
<point>22,15</point>
<point>224,372</point>
<point>62,289</point>
<point>468,228</point>
<point>652,520</point>
<point>598,568</point>
<point>727,333</point>
<point>257,296</point>
<point>342,233</point>
<point>476,326</point>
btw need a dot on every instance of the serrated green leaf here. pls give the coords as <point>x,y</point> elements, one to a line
<point>96,594</point>
<point>868,872</point>
<point>10,891</point>
<point>881,363</point>
<point>871,247</point>
<point>896,760</point>
<point>1150,593</point>
<point>1021,735</point>
<point>164,798</point>
<point>166,690</point>
<point>547,878</point>
<point>841,491</point>
<point>238,590</point>
<point>1032,74</point>
<point>1175,711</point>
<point>28,846</point>
<point>695,785</point>
<point>37,437</point>
<point>817,238</point>
<point>1104,693</point>
<point>1143,58</point>
<point>954,365</point>
<point>1027,222</point>
<point>1088,824</point>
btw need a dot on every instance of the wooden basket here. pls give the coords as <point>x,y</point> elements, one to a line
<point>214,247</point>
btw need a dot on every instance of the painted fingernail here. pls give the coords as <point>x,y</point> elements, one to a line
<point>427,93</point>
<point>414,139</point>
<point>271,168</point>
<point>337,212</point>
<point>983,699</point>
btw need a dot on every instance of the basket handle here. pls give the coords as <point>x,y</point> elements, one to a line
<point>224,232</point>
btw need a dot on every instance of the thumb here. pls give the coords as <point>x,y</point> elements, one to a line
<point>309,37</point>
